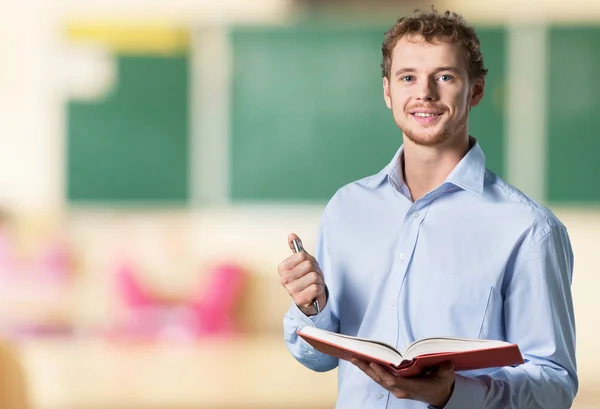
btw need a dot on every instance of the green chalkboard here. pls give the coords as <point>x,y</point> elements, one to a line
<point>487,119</point>
<point>573,101</point>
<point>308,115</point>
<point>133,144</point>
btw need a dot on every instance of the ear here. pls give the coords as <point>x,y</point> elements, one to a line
<point>477,91</point>
<point>386,93</point>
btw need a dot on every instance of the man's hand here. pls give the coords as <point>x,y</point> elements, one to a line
<point>302,278</point>
<point>434,389</point>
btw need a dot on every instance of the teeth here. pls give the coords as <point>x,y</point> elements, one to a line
<point>424,115</point>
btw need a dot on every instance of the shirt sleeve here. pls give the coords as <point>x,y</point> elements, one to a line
<point>295,319</point>
<point>539,317</point>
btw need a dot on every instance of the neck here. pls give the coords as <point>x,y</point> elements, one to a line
<point>426,167</point>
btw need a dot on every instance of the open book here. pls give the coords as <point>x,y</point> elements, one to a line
<point>465,354</point>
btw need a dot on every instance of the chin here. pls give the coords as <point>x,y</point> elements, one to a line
<point>424,138</point>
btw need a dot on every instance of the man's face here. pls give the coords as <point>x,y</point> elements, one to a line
<point>429,91</point>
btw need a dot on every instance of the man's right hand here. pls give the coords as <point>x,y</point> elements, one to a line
<point>301,276</point>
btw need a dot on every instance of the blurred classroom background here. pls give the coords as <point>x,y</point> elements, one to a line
<point>154,156</point>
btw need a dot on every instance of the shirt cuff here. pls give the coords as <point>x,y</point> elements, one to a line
<point>296,319</point>
<point>468,393</point>
<point>320,320</point>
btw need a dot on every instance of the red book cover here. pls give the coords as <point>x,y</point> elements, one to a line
<point>482,357</point>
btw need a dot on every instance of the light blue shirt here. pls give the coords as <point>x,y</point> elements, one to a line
<point>473,258</point>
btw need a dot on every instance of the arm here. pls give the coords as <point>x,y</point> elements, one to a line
<point>295,319</point>
<point>538,313</point>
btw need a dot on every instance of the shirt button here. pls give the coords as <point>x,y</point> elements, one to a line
<point>416,215</point>
<point>402,256</point>
<point>380,395</point>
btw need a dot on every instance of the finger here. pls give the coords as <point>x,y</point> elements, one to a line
<point>293,260</point>
<point>446,367</point>
<point>304,268</point>
<point>306,296</point>
<point>400,387</point>
<point>386,377</point>
<point>428,372</point>
<point>364,366</point>
<point>445,370</point>
<point>442,370</point>
<point>302,283</point>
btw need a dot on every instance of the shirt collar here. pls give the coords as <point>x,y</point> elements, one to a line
<point>468,174</point>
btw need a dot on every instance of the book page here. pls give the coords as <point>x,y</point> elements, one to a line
<point>448,344</point>
<point>369,347</point>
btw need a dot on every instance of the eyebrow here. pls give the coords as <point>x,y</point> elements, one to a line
<point>439,69</point>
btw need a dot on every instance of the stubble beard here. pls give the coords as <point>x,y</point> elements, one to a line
<point>434,137</point>
<point>425,138</point>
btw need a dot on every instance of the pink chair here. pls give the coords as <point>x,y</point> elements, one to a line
<point>131,291</point>
<point>210,311</point>
<point>215,306</point>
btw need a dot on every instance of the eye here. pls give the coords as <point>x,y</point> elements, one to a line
<point>407,78</point>
<point>446,77</point>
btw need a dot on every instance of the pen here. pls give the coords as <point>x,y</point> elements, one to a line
<point>297,249</point>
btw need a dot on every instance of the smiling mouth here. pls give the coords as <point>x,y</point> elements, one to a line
<point>425,114</point>
<point>426,118</point>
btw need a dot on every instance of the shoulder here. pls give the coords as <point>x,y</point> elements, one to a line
<point>540,220</point>
<point>355,193</point>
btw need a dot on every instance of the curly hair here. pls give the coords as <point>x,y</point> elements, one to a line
<point>431,25</point>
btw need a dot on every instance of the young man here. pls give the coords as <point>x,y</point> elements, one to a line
<point>437,245</point>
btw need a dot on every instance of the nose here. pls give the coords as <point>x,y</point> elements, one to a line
<point>427,90</point>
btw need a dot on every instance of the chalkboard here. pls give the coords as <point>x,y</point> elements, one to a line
<point>573,100</point>
<point>132,145</point>
<point>487,119</point>
<point>308,115</point>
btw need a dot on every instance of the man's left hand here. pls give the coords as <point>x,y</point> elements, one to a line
<point>434,389</point>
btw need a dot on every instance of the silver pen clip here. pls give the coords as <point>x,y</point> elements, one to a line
<point>297,249</point>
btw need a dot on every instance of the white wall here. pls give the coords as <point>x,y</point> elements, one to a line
<point>31,142</point>
<point>500,11</point>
